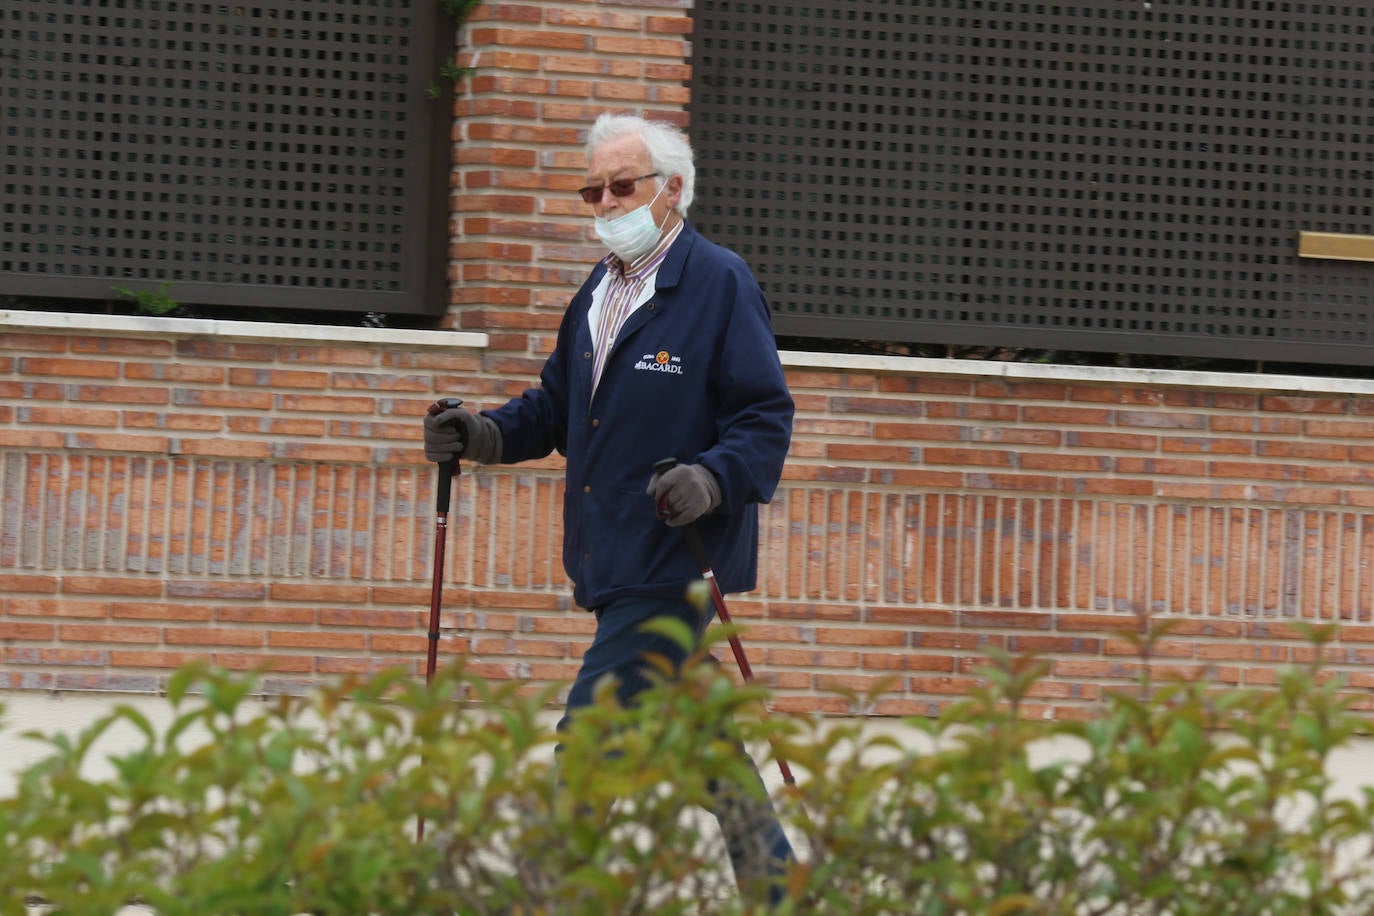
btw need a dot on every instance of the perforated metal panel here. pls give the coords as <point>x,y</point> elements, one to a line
<point>259,152</point>
<point>1114,175</point>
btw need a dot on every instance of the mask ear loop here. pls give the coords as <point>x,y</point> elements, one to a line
<point>661,188</point>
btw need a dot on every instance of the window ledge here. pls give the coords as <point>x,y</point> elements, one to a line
<point>1047,372</point>
<point>265,331</point>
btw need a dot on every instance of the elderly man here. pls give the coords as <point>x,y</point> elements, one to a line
<point>666,350</point>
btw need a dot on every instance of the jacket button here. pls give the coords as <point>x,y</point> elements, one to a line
<point>587,489</point>
<point>596,423</point>
<point>587,355</point>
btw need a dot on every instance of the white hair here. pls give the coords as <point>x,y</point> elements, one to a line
<point>669,150</point>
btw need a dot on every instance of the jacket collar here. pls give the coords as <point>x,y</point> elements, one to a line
<point>670,271</point>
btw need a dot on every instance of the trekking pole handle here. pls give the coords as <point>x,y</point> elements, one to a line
<point>447,469</point>
<point>694,542</point>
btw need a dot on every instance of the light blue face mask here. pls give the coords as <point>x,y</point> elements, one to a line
<point>633,235</point>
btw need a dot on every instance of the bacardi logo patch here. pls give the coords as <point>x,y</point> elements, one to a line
<point>662,361</point>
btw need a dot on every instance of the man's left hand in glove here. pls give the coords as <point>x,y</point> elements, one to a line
<point>684,493</point>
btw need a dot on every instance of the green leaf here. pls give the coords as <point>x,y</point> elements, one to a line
<point>671,628</point>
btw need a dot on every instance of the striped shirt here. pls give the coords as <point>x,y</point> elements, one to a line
<point>621,292</point>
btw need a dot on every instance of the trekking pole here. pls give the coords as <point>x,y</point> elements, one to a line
<point>698,549</point>
<point>447,471</point>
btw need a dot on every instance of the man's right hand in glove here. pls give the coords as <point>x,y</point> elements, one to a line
<point>452,432</point>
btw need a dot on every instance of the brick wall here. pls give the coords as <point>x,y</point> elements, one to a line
<point>256,496</point>
<point>169,491</point>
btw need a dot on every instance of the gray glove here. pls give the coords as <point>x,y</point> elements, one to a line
<point>458,433</point>
<point>684,493</point>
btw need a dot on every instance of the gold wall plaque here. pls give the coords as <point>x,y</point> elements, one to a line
<point>1336,246</point>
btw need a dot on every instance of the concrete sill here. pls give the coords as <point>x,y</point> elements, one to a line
<point>261,331</point>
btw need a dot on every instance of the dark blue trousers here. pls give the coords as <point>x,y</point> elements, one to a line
<point>759,850</point>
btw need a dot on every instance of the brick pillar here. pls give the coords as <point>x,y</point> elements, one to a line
<point>521,239</point>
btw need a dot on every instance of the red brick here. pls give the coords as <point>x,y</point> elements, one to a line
<point>174,372</point>
<point>269,427</point>
<point>265,615</point>
<point>119,394</point>
<point>212,636</point>
<point>416,646</point>
<point>358,617</point>
<point>592,66</point>
<point>215,348</point>
<point>32,655</point>
<point>911,617</point>
<point>181,588</point>
<point>109,633</point>
<point>148,419</point>
<point>1320,451</point>
<point>32,366</point>
<point>331,355</point>
<point>186,613</point>
<point>849,405</point>
<point>873,661</point>
<point>1004,389</point>
<point>65,607</point>
<point>528,38</point>
<point>848,636</point>
<point>27,632</point>
<point>959,686</point>
<point>361,666</point>
<point>963,640</point>
<point>30,439</point>
<point>808,658</point>
<point>224,448</point>
<point>840,451</point>
<point>808,611</point>
<point>639,47</point>
<point>278,378</point>
<point>318,592</point>
<point>212,399</point>
<point>242,661</point>
<point>95,585</point>
<point>1273,426</point>
<point>326,404</point>
<point>69,416</point>
<point>1168,466</point>
<point>859,683</point>
<point>1065,416</point>
<point>1163,648</point>
<point>1304,405</point>
<point>1210,445</point>
<point>114,442</point>
<point>315,639</point>
<point>12,583</point>
<point>151,659</point>
<point>916,478</point>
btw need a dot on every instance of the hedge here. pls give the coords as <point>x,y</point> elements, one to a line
<point>1180,797</point>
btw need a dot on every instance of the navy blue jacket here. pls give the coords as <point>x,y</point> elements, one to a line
<point>694,375</point>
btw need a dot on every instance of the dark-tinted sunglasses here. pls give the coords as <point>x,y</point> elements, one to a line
<point>621,187</point>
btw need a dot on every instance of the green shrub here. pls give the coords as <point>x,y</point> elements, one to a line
<point>1178,798</point>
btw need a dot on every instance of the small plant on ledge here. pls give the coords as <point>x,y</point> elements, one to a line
<point>150,302</point>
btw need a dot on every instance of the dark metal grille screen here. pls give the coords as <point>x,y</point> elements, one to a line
<point>259,152</point>
<point>1100,174</point>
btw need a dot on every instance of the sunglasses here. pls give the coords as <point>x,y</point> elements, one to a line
<point>621,187</point>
